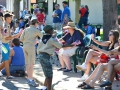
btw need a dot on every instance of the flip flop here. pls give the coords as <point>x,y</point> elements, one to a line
<point>87,87</point>
<point>82,84</point>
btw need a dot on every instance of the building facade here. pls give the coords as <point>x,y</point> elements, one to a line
<point>3,2</point>
<point>23,4</point>
<point>95,8</point>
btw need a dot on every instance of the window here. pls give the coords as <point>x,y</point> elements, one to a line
<point>43,4</point>
<point>54,3</point>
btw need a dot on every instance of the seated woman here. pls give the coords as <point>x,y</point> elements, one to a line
<point>113,67</point>
<point>97,73</point>
<point>17,60</point>
<point>93,56</point>
<point>73,36</point>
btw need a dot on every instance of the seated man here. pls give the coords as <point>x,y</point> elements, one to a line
<point>16,60</point>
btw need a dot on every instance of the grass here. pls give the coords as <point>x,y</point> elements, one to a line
<point>101,34</point>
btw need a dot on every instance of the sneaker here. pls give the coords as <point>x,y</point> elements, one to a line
<point>83,78</point>
<point>32,83</point>
<point>61,69</point>
<point>81,67</point>
<point>10,77</point>
<point>43,88</point>
<point>67,70</point>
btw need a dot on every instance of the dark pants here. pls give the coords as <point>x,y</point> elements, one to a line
<point>46,65</point>
<point>83,20</point>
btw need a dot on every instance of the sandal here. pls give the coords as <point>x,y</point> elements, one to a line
<point>87,87</point>
<point>82,84</point>
<point>107,83</point>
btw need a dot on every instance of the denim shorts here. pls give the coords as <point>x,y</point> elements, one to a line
<point>46,65</point>
<point>12,69</point>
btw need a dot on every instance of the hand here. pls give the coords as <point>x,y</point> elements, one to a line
<point>94,47</point>
<point>20,32</point>
<point>76,43</point>
<point>92,36</point>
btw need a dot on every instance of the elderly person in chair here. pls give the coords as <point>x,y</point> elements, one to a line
<point>75,36</point>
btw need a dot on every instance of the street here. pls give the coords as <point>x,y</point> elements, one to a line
<point>18,84</point>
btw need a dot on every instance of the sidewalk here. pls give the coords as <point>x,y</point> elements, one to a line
<point>18,84</point>
<point>63,81</point>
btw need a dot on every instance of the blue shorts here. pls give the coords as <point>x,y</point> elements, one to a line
<point>5,56</point>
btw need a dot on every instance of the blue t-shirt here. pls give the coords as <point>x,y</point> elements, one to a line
<point>18,59</point>
<point>76,36</point>
<point>58,18</point>
<point>25,12</point>
<point>21,25</point>
<point>66,11</point>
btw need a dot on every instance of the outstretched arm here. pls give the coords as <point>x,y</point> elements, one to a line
<point>114,51</point>
<point>14,36</point>
<point>105,43</point>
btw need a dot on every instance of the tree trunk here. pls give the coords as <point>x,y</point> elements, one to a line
<point>16,8</point>
<point>109,16</point>
<point>77,7</point>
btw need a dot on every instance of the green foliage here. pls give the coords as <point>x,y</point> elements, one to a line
<point>72,0</point>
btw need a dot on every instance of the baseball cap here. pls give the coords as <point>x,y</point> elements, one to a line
<point>34,21</point>
<point>47,28</point>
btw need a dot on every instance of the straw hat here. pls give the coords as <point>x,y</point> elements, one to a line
<point>70,25</point>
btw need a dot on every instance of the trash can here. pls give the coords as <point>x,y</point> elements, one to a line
<point>98,29</point>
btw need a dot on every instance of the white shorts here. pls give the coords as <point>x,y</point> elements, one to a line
<point>67,51</point>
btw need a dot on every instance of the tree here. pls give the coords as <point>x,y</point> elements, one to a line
<point>109,16</point>
<point>16,8</point>
<point>77,7</point>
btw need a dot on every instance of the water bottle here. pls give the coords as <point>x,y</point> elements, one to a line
<point>4,49</point>
<point>0,51</point>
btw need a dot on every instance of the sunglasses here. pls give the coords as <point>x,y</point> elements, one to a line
<point>110,34</point>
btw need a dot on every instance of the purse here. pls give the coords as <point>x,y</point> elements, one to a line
<point>104,59</point>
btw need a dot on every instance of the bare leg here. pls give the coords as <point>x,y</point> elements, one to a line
<point>90,55</point>
<point>49,83</point>
<point>93,74</point>
<point>7,68</point>
<point>29,69</point>
<point>62,61</point>
<point>112,76</point>
<point>101,69</point>
<point>67,61</point>
<point>111,68</point>
<point>2,65</point>
<point>93,60</point>
<point>45,82</point>
<point>88,68</point>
